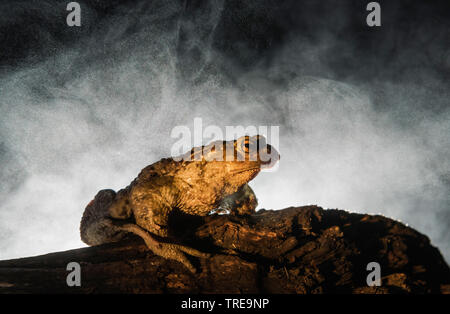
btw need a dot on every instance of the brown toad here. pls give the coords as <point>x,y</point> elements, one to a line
<point>208,178</point>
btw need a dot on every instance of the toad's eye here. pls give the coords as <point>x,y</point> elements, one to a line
<point>246,146</point>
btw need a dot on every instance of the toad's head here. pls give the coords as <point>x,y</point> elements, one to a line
<point>234,162</point>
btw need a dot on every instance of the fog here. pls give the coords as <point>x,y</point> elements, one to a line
<point>91,116</point>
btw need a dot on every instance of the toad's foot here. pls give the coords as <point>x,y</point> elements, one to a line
<point>242,203</point>
<point>167,250</point>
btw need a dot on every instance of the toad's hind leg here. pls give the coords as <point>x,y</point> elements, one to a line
<point>151,211</point>
<point>163,249</point>
<point>96,227</point>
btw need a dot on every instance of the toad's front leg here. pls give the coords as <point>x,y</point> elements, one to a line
<point>241,203</point>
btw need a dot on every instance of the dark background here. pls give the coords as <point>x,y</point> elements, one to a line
<point>363,111</point>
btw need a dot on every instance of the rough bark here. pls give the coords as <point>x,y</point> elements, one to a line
<point>295,250</point>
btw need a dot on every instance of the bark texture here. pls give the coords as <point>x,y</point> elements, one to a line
<point>295,250</point>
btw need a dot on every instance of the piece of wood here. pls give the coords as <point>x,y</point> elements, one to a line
<point>295,250</point>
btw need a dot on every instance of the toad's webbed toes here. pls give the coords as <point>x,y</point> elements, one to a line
<point>192,251</point>
<point>177,252</point>
<point>172,251</point>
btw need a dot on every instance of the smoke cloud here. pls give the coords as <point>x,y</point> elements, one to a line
<point>91,115</point>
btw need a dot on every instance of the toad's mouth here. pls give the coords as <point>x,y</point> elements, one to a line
<point>245,169</point>
<point>270,163</point>
<point>262,165</point>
